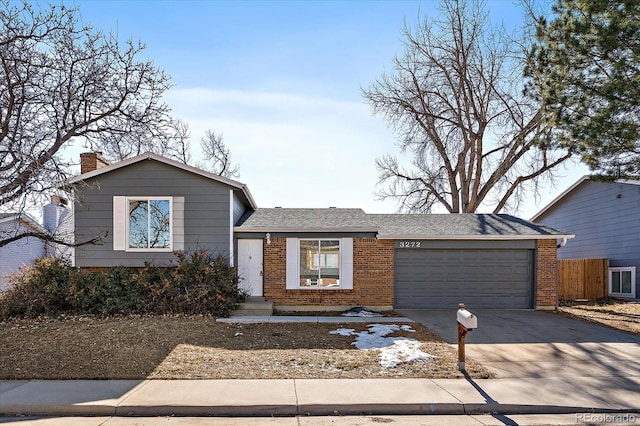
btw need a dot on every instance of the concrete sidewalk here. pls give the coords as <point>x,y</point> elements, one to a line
<point>310,319</point>
<point>293,397</point>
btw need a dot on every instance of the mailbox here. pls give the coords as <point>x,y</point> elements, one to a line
<point>466,322</point>
<point>467,319</point>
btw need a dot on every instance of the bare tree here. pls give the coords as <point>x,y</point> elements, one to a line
<point>179,147</point>
<point>217,156</point>
<point>60,82</point>
<point>455,99</point>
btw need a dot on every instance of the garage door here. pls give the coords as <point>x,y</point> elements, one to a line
<point>479,278</point>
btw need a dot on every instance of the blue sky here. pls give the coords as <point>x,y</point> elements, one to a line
<point>282,82</point>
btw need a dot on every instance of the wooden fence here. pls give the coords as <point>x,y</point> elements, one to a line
<point>583,278</point>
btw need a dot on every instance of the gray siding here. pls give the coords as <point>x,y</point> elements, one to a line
<point>605,218</point>
<point>207,212</point>
<point>238,209</point>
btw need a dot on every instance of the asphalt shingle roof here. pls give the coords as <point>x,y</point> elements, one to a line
<point>300,219</point>
<point>458,225</point>
<point>394,225</point>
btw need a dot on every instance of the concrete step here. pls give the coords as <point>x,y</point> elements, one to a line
<point>254,306</point>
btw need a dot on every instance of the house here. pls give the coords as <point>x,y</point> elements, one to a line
<point>311,259</point>
<point>605,217</point>
<point>57,219</point>
<point>22,252</point>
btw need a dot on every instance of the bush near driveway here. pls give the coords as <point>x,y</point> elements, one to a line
<point>196,284</point>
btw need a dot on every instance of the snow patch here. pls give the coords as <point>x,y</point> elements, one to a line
<point>393,350</point>
<point>403,350</point>
<point>343,331</point>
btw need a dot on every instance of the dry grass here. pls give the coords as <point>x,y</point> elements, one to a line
<point>201,348</point>
<point>612,313</point>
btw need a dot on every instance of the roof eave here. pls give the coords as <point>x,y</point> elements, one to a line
<point>27,220</point>
<point>161,159</point>
<point>302,230</point>
<point>247,193</point>
<point>559,197</point>
<point>474,237</point>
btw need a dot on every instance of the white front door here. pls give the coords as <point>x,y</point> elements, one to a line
<point>250,266</point>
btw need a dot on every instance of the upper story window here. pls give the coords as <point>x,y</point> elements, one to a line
<point>149,221</point>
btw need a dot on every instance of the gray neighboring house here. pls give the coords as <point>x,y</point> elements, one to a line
<point>310,259</point>
<point>605,218</point>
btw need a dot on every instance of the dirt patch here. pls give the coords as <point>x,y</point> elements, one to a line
<point>613,313</point>
<point>200,348</point>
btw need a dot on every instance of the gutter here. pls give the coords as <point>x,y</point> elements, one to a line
<point>354,229</point>
<point>473,237</point>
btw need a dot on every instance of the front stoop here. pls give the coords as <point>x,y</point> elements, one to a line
<point>254,305</point>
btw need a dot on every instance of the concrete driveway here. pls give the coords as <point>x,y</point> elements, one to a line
<point>527,343</point>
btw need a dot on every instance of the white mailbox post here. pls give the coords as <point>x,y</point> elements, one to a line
<point>466,322</point>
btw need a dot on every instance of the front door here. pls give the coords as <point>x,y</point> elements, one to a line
<point>250,266</point>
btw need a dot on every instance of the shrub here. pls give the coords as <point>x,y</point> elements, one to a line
<point>109,292</point>
<point>196,283</point>
<point>41,289</point>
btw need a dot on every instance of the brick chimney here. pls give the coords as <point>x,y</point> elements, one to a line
<point>90,161</point>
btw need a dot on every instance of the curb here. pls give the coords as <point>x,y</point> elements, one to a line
<point>294,410</point>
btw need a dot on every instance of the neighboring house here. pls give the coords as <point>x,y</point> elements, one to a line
<point>22,252</point>
<point>58,222</point>
<point>311,259</point>
<point>605,217</point>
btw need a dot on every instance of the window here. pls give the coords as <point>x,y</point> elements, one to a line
<point>319,264</point>
<point>622,281</point>
<point>148,223</point>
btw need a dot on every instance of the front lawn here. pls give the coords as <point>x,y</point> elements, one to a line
<point>197,347</point>
<point>613,313</point>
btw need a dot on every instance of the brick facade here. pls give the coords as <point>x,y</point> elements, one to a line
<point>372,278</point>
<point>546,274</point>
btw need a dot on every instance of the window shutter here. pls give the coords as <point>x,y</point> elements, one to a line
<point>178,223</point>
<point>346,263</point>
<point>292,264</point>
<point>119,223</point>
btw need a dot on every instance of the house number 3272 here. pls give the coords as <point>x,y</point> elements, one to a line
<point>409,244</point>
